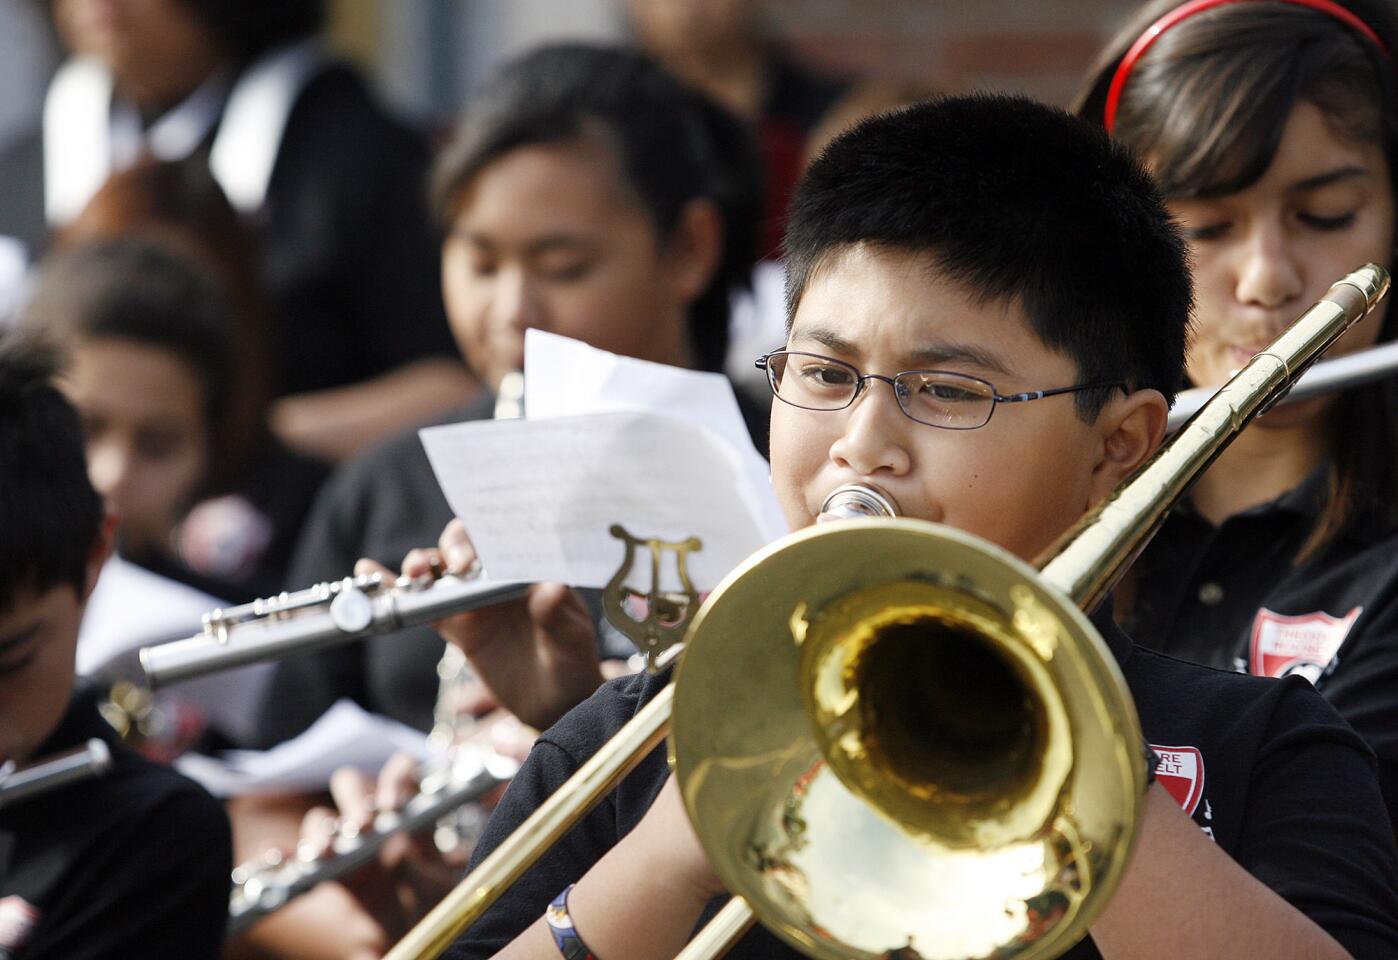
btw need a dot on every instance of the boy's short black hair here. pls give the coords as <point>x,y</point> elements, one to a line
<point>50,516</point>
<point>1018,202</point>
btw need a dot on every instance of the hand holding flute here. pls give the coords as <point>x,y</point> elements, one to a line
<point>537,655</point>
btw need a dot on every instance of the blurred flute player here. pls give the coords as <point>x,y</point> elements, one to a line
<point>134,863</point>
<point>587,193</point>
<point>1000,386</point>
<point>1272,128</point>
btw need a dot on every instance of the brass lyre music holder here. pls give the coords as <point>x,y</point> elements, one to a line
<point>666,612</point>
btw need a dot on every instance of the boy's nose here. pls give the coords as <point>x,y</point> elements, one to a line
<point>875,435</point>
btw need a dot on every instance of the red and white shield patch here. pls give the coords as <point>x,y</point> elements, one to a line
<point>17,920</point>
<point>1304,644</point>
<point>1181,773</point>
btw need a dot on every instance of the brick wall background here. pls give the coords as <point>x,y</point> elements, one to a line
<point>1038,47</point>
<point>427,54</point>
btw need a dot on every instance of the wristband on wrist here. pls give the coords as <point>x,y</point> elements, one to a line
<point>565,935</point>
<point>1152,761</point>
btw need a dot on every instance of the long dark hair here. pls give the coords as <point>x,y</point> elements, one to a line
<point>672,143</point>
<point>1208,103</point>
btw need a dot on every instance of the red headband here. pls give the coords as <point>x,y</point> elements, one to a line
<point>1187,10</point>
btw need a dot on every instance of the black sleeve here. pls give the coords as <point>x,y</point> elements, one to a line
<point>1364,690</point>
<point>555,757</point>
<point>1315,829</point>
<point>546,768</point>
<point>159,890</point>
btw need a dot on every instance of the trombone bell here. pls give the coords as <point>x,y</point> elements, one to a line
<point>934,765</point>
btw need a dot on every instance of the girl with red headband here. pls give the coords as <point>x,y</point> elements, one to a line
<point>1271,127</point>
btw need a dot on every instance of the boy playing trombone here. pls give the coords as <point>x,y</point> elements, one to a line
<point>944,262</point>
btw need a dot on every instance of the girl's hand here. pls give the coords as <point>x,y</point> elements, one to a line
<point>538,655</point>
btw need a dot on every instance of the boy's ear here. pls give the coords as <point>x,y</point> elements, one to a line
<point>98,553</point>
<point>1132,428</point>
<point>695,247</point>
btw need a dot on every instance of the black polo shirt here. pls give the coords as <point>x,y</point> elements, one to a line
<point>1264,767</point>
<point>134,863</point>
<point>1231,597</point>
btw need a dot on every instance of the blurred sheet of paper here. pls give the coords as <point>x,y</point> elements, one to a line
<point>345,735</point>
<point>567,377</point>
<point>608,439</point>
<point>131,608</point>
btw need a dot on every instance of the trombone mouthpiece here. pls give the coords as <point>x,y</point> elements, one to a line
<point>855,501</point>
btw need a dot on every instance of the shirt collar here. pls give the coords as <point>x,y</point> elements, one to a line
<point>1305,500</point>
<point>177,133</point>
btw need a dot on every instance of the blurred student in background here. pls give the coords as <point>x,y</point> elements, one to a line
<point>134,862</point>
<point>587,193</point>
<point>722,48</point>
<point>330,183</point>
<point>150,344</point>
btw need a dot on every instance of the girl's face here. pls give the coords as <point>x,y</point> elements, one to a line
<point>1263,255</point>
<point>546,236</point>
<point>142,410</point>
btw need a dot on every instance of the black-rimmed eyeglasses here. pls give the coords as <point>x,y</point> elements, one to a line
<point>937,398</point>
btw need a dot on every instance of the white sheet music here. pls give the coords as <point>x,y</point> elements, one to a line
<point>132,608</point>
<point>345,735</point>
<point>539,497</point>
<point>661,451</point>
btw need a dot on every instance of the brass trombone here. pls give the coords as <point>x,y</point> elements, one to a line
<point>1003,835</point>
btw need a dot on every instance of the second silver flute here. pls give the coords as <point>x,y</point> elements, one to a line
<point>18,783</point>
<point>267,884</point>
<point>320,616</point>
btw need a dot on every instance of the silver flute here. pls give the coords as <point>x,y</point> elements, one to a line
<point>1327,376</point>
<point>25,782</point>
<point>319,616</point>
<point>268,883</point>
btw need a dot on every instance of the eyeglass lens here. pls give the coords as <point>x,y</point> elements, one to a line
<point>936,398</point>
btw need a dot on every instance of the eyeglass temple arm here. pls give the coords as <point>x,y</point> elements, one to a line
<point>1040,394</point>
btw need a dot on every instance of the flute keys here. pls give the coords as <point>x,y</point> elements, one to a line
<point>352,610</point>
